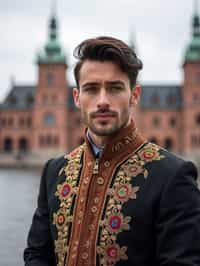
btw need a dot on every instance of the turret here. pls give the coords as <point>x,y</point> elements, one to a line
<point>50,117</point>
<point>192,54</point>
<point>191,90</point>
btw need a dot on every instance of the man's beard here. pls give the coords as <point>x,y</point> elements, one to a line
<point>104,128</point>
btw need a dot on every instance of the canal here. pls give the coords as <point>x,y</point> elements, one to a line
<point>18,197</point>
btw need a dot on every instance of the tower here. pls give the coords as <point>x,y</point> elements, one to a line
<point>191,89</point>
<point>50,114</point>
<point>136,109</point>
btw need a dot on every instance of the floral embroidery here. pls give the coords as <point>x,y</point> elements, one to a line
<point>66,193</point>
<point>121,190</point>
<point>125,192</point>
<point>112,254</point>
<point>116,223</point>
<point>150,153</point>
<point>134,169</point>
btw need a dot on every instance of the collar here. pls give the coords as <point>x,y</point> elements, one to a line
<point>126,141</point>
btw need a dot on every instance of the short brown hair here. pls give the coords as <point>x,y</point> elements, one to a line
<point>108,49</point>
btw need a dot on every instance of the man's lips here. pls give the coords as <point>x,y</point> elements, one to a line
<point>104,115</point>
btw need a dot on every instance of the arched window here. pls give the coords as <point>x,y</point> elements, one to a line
<point>168,144</point>
<point>49,120</point>
<point>198,119</point>
<point>8,144</point>
<point>23,144</point>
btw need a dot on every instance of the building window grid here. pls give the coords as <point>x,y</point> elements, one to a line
<point>48,140</point>
<point>6,122</point>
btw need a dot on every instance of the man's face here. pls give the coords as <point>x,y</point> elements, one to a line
<point>104,97</point>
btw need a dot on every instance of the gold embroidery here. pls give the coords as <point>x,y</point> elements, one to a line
<point>66,193</point>
<point>112,254</point>
<point>150,153</point>
<point>125,141</point>
<point>113,222</point>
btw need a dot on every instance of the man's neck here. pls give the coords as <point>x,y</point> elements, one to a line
<point>101,141</point>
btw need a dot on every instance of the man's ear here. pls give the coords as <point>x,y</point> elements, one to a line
<point>76,97</point>
<point>135,97</point>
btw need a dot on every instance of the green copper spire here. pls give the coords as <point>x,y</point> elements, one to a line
<point>52,52</point>
<point>193,49</point>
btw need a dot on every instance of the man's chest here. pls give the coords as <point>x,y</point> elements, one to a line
<point>97,209</point>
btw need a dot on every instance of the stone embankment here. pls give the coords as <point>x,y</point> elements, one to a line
<point>21,161</point>
<point>38,161</point>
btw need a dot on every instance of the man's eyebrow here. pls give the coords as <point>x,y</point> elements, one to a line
<point>90,84</point>
<point>109,83</point>
<point>115,82</point>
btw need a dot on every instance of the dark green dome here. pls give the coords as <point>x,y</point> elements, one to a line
<point>193,49</point>
<point>52,51</point>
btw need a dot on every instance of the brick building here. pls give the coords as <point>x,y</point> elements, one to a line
<point>42,120</point>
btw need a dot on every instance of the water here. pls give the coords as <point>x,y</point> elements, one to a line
<point>18,198</point>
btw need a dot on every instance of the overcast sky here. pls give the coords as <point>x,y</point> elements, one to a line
<point>162,30</point>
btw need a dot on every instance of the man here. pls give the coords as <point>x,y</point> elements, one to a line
<point>117,199</point>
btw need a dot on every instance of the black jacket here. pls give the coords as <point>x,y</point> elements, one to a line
<point>165,217</point>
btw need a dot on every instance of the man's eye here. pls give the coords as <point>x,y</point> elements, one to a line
<point>90,89</point>
<point>115,89</point>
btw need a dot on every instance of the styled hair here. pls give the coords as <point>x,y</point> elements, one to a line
<point>105,48</point>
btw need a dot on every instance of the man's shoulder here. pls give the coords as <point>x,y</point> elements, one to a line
<point>168,163</point>
<point>58,163</point>
<point>153,151</point>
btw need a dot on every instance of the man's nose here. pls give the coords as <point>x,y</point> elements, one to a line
<point>103,99</point>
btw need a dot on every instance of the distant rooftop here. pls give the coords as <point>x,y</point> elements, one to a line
<point>161,97</point>
<point>19,97</point>
<point>153,97</point>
